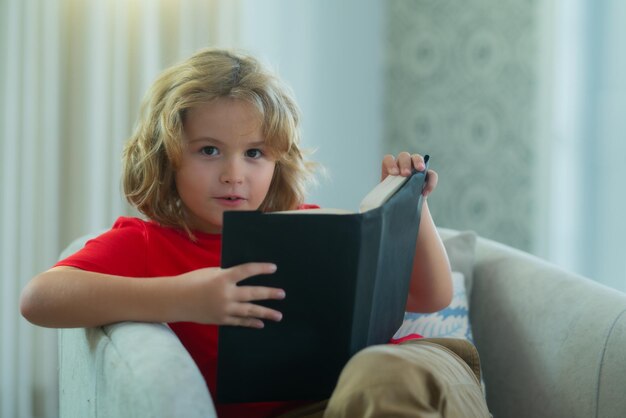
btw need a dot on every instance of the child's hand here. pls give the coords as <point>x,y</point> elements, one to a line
<point>402,166</point>
<point>213,296</point>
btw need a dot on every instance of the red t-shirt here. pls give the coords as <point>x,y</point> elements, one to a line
<point>136,248</point>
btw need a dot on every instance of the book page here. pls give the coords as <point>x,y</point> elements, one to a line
<point>318,211</point>
<point>375,198</point>
<point>382,192</point>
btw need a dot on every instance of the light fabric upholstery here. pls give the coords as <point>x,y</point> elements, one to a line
<point>129,370</point>
<point>552,344</point>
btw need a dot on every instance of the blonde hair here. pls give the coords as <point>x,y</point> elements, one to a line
<point>153,153</point>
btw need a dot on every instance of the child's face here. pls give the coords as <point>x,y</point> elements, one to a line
<point>225,164</point>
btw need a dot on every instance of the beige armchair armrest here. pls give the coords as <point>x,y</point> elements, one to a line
<point>552,344</point>
<point>129,370</point>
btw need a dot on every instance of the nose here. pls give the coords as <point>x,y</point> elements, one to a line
<point>232,172</point>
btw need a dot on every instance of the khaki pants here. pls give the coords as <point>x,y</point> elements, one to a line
<point>430,377</point>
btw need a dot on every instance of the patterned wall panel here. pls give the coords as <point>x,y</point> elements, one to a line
<point>461,82</point>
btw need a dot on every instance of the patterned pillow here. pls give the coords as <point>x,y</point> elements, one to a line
<point>451,322</point>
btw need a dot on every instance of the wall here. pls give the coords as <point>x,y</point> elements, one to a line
<point>330,53</point>
<point>461,85</point>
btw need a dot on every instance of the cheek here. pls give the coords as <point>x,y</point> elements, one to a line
<point>189,180</point>
<point>269,175</point>
<point>262,181</point>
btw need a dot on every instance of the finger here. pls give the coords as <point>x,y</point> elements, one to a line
<point>418,162</point>
<point>431,182</point>
<point>251,293</point>
<point>251,310</point>
<point>243,271</point>
<point>389,166</point>
<point>244,322</point>
<point>404,163</point>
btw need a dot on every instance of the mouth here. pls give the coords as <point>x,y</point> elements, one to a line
<point>231,198</point>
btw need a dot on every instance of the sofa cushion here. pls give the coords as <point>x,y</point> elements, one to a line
<point>461,249</point>
<point>452,321</point>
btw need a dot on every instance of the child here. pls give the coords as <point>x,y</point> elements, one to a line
<point>218,132</point>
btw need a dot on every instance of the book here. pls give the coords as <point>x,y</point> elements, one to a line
<point>346,277</point>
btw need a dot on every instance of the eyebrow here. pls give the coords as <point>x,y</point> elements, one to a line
<point>218,142</point>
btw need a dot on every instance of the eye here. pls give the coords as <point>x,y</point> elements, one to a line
<point>254,153</point>
<point>209,151</point>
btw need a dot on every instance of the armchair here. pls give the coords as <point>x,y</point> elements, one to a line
<point>552,344</point>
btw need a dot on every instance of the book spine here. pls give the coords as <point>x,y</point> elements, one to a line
<point>398,235</point>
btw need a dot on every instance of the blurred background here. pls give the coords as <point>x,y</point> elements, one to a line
<point>520,103</point>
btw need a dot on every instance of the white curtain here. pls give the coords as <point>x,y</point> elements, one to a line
<point>72,74</point>
<point>585,164</point>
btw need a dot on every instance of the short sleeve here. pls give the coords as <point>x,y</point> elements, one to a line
<point>305,206</point>
<point>120,251</point>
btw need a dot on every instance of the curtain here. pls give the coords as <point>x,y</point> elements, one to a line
<point>72,74</point>
<point>586,225</point>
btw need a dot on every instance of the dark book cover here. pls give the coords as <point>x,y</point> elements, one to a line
<point>346,277</point>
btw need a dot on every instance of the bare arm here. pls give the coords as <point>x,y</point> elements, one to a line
<point>431,279</point>
<point>65,297</point>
